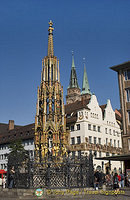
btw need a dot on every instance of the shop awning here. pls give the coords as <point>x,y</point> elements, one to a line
<point>122,157</point>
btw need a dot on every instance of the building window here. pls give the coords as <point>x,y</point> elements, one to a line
<point>114,132</point>
<point>110,142</point>
<point>110,131</point>
<point>127,75</point>
<point>99,129</point>
<point>118,134</point>
<point>129,144</point>
<point>90,139</point>
<point>128,94</point>
<point>114,143</point>
<point>78,140</point>
<point>89,126</point>
<point>78,126</point>
<point>94,128</point>
<point>99,140</point>
<point>100,154</point>
<point>118,143</point>
<point>72,140</point>
<point>72,128</point>
<point>107,153</point>
<point>79,154</point>
<point>129,116</point>
<point>106,130</point>
<point>95,140</point>
<point>106,141</point>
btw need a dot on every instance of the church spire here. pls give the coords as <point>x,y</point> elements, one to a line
<point>50,40</point>
<point>73,77</point>
<point>85,85</point>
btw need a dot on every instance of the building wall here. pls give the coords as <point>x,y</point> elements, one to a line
<point>124,88</point>
<point>4,150</point>
<point>93,124</point>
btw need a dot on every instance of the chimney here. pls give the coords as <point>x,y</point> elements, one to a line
<point>11,125</point>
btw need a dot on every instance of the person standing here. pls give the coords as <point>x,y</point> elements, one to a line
<point>122,180</point>
<point>116,183</point>
<point>11,177</point>
<point>96,179</point>
<point>4,182</point>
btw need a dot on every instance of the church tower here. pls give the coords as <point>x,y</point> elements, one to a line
<point>73,91</point>
<point>86,94</point>
<point>51,138</point>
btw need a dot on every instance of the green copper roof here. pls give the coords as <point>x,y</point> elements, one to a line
<point>85,86</point>
<point>73,77</point>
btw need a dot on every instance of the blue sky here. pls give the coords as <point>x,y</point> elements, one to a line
<point>97,30</point>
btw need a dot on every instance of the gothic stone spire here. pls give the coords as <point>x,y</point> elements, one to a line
<point>73,77</point>
<point>50,40</point>
<point>85,85</point>
<point>73,91</point>
<point>51,138</point>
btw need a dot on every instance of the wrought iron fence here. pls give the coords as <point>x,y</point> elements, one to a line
<point>71,173</point>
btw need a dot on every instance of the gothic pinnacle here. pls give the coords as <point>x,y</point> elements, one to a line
<point>73,76</point>
<point>85,86</point>
<point>50,40</point>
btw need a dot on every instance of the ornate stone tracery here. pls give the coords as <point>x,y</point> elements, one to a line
<point>51,137</point>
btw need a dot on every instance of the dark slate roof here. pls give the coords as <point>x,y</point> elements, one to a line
<point>23,132</point>
<point>5,127</point>
<point>72,108</point>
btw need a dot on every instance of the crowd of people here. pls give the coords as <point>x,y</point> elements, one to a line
<point>10,182</point>
<point>111,180</point>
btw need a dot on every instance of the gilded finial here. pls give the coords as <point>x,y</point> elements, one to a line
<point>50,27</point>
<point>50,23</point>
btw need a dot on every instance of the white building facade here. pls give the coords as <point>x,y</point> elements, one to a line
<point>4,151</point>
<point>96,130</point>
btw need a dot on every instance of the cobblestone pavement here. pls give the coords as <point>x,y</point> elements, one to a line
<point>87,197</point>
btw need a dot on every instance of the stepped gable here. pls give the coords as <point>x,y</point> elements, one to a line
<point>103,109</point>
<point>117,112</point>
<point>20,132</point>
